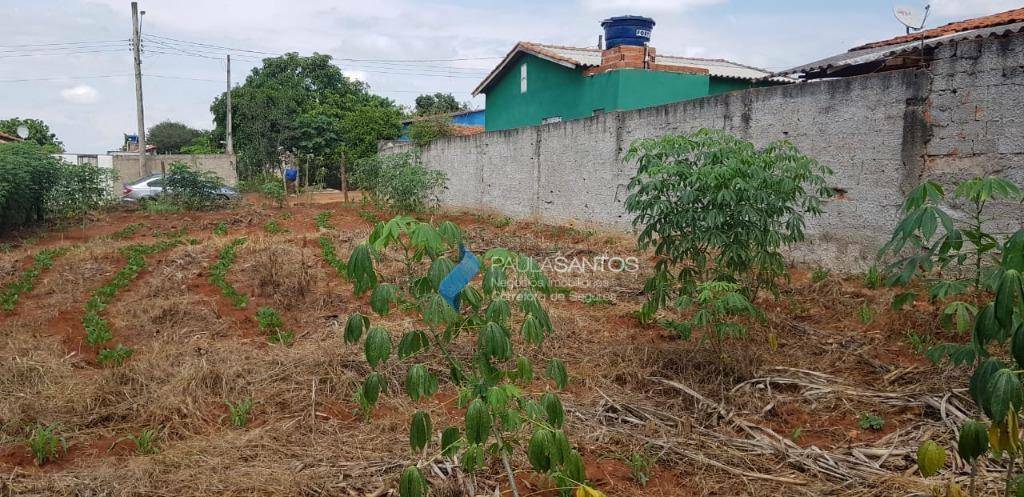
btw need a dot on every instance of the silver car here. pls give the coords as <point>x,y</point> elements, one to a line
<point>152,187</point>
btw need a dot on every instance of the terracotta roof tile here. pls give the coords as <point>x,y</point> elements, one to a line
<point>7,137</point>
<point>1008,17</point>
<point>460,130</point>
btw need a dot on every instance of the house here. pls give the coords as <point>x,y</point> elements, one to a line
<point>6,138</point>
<point>538,83</point>
<point>911,50</point>
<point>464,123</point>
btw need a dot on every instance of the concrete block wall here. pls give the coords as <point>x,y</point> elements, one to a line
<point>881,134</point>
<point>127,166</point>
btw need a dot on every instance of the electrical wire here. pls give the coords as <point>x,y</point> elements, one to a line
<point>120,50</point>
<point>31,45</point>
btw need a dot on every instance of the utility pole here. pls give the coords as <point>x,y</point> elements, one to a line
<point>229,143</point>
<point>137,56</point>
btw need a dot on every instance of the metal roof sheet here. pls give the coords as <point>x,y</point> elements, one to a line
<point>876,53</point>
<point>574,57</point>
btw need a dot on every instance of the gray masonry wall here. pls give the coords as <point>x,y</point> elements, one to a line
<point>881,134</point>
<point>127,166</point>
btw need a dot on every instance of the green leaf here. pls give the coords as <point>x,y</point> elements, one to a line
<point>978,386</point>
<point>450,233</point>
<point>973,441</point>
<point>1004,395</point>
<point>382,297</point>
<point>1010,290</point>
<point>931,457</point>
<point>360,269</point>
<point>438,270</point>
<point>902,299</point>
<point>372,386</point>
<point>472,458</point>
<point>450,441</point>
<point>413,342</point>
<point>419,431</point>
<point>436,312</point>
<point>478,422</point>
<point>556,371</point>
<point>420,383</point>
<point>354,327</point>
<point>499,311</point>
<point>1017,346</point>
<point>494,342</point>
<point>553,410</point>
<point>378,346</point>
<point>412,483</point>
<point>532,331</point>
<point>538,450</point>
<point>524,369</point>
<point>495,280</point>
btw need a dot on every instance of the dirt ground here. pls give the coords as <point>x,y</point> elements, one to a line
<point>779,414</point>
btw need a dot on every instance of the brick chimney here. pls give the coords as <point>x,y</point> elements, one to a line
<point>634,57</point>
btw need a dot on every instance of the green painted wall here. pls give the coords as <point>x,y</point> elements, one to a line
<point>557,91</point>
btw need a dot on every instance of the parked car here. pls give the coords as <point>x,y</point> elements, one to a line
<point>152,187</point>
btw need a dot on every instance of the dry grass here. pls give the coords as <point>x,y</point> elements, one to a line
<point>727,431</point>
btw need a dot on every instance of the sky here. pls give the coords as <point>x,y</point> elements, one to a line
<point>68,62</point>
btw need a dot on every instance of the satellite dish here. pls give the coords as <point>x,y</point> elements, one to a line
<point>911,17</point>
<point>22,132</point>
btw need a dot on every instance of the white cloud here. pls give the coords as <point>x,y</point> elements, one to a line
<point>963,9</point>
<point>81,94</point>
<point>647,6</point>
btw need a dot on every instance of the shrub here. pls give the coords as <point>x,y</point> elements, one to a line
<point>114,356</point>
<point>27,174</point>
<point>79,189</point>
<point>193,189</point>
<point>145,442</point>
<point>400,181</point>
<point>274,190</point>
<point>716,208</point>
<point>428,129</point>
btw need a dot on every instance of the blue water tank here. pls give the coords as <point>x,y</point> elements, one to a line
<point>627,30</point>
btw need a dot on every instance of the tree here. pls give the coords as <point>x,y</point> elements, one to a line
<point>428,129</point>
<point>169,137</point>
<point>27,173</point>
<point>38,132</point>
<point>202,144</point>
<point>284,104</point>
<point>438,103</point>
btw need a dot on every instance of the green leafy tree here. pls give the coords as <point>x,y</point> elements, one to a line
<point>169,137</point>
<point>438,103</point>
<point>38,132</point>
<point>283,101</point>
<point>27,174</point>
<point>79,189</point>
<point>202,144</point>
<point>425,130</point>
<point>493,375</point>
<point>716,208</point>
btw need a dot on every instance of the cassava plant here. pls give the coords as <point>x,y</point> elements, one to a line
<point>954,257</point>
<point>471,346</point>
<point>716,208</point>
<point>960,259</point>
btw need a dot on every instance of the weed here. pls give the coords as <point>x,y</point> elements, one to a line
<point>27,281</point>
<point>221,229</point>
<point>596,300</point>
<point>920,343</point>
<point>818,275</point>
<point>323,220</point>
<point>282,337</point>
<point>145,442</point>
<point>238,412</point>
<point>331,256</point>
<point>502,222</point>
<point>219,271</point>
<point>127,231</point>
<point>794,436</point>
<point>273,228</point>
<point>866,314</point>
<point>640,464</point>
<point>45,444</point>
<point>873,278</point>
<point>869,421</point>
<point>5,248</point>
<point>115,356</point>
<point>161,206</point>
<point>268,319</point>
<point>368,216</point>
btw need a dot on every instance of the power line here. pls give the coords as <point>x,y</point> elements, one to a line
<point>62,43</point>
<point>61,53</point>
<point>59,78</point>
